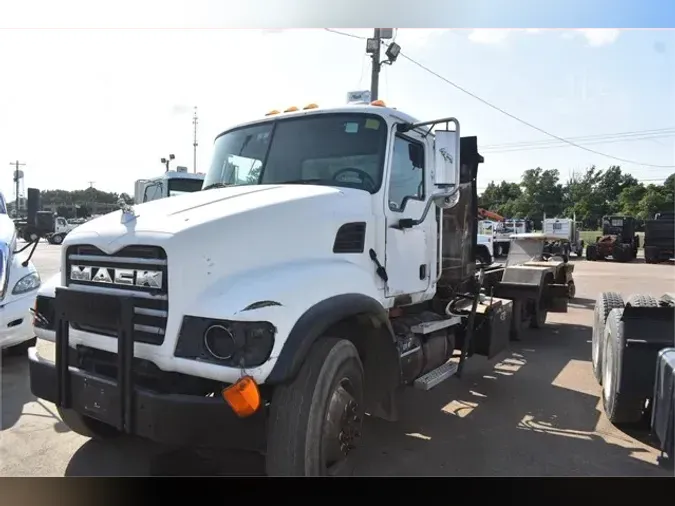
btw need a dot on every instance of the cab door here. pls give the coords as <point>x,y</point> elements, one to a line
<point>409,251</point>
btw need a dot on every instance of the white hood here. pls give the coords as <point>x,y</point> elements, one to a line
<point>173,215</point>
<point>231,230</point>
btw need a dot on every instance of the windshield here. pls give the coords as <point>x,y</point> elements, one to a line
<point>179,186</point>
<point>325,149</point>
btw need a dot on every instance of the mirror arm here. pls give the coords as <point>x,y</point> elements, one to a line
<point>406,127</point>
<point>409,222</point>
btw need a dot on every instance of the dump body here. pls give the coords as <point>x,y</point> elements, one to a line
<point>660,238</point>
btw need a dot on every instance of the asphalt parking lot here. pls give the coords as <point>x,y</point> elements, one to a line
<point>536,412</point>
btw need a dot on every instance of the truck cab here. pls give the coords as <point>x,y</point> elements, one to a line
<point>328,262</point>
<point>169,184</point>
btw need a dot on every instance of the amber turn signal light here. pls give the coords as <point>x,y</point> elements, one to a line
<point>243,397</point>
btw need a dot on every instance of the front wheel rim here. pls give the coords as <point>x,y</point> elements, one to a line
<point>342,427</point>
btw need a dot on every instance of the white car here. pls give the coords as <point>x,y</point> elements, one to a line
<point>18,287</point>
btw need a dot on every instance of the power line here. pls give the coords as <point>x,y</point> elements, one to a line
<point>345,34</point>
<point>506,113</point>
<point>526,123</point>
<point>560,145</point>
<point>629,134</point>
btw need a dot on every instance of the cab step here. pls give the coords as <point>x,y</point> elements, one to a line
<point>436,376</point>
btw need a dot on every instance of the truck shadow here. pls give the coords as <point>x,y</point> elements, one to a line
<point>15,388</point>
<point>135,457</point>
<point>530,413</point>
<point>582,303</point>
<point>510,418</point>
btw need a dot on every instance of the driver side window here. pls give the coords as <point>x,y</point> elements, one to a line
<point>153,192</point>
<point>407,173</point>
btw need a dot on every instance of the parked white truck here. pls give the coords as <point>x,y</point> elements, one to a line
<point>565,237</point>
<point>19,282</point>
<point>272,310</point>
<point>169,184</point>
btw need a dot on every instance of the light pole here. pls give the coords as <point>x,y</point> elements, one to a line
<point>166,161</point>
<point>373,49</point>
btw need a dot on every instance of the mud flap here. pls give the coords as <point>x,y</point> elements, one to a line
<point>556,298</point>
<point>517,290</point>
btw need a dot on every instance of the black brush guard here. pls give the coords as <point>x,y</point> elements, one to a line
<point>93,309</point>
<point>176,419</point>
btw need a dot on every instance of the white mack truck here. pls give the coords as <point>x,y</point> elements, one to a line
<point>328,262</point>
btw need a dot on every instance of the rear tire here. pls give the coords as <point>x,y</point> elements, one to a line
<point>329,387</point>
<point>86,426</point>
<point>571,290</point>
<point>639,300</point>
<point>651,255</point>
<point>605,302</point>
<point>591,252</point>
<point>538,319</point>
<point>620,408</point>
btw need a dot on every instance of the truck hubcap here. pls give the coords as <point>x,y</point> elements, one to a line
<point>342,427</point>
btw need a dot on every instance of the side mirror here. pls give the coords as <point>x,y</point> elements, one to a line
<point>446,159</point>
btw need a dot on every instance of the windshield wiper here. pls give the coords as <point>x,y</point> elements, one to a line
<point>304,181</point>
<point>216,185</point>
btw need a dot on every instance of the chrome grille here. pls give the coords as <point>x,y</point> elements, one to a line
<point>151,304</point>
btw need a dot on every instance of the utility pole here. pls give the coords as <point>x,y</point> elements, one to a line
<point>17,183</point>
<point>374,49</point>
<point>375,68</point>
<point>194,142</point>
<point>91,183</point>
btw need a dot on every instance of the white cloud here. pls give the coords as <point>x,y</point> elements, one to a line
<point>418,37</point>
<point>600,36</point>
<point>497,35</point>
<point>489,36</point>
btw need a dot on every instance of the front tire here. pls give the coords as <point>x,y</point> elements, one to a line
<point>316,419</point>
<point>56,239</point>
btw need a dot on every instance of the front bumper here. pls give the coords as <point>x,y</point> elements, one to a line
<point>16,321</point>
<point>175,419</point>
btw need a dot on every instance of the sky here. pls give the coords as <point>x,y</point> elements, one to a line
<point>102,106</point>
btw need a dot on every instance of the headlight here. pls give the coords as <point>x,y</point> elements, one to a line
<point>230,343</point>
<point>27,283</point>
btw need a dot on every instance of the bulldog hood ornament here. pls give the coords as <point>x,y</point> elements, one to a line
<point>128,212</point>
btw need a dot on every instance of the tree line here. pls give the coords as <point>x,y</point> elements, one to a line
<point>590,196</point>
<point>81,197</point>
